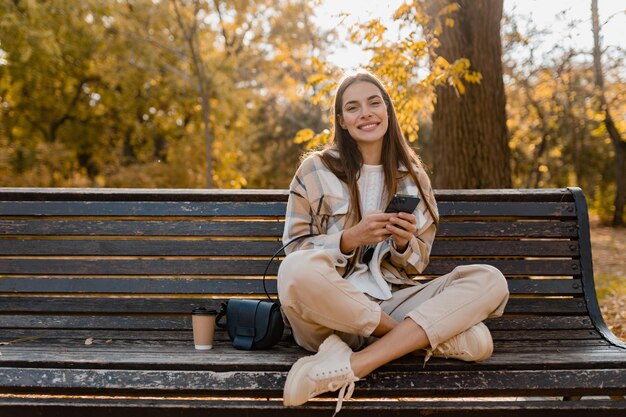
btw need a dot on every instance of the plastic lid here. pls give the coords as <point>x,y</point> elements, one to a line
<point>201,311</point>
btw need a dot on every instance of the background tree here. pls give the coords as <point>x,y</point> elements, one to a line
<point>470,139</point>
<point>619,144</point>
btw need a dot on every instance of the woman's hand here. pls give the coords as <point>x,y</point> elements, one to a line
<point>402,227</point>
<point>370,230</point>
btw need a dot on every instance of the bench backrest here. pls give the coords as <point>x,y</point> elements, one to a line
<point>122,259</point>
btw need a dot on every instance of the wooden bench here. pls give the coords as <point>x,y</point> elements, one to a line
<point>97,286</point>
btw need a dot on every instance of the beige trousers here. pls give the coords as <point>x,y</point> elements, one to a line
<point>317,301</point>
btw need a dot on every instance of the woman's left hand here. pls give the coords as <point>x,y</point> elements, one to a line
<point>402,227</point>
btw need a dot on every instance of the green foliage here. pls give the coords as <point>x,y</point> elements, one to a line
<point>558,137</point>
<point>108,93</point>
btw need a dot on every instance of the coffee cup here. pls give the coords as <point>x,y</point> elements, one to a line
<point>203,322</point>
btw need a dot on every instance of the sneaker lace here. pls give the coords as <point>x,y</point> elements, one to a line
<point>342,386</point>
<point>445,349</point>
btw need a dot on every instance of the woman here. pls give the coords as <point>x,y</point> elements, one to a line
<point>349,285</point>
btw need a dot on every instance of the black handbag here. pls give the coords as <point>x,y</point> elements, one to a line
<point>254,324</point>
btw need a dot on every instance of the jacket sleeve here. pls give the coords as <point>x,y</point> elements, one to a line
<point>416,256</point>
<point>303,217</point>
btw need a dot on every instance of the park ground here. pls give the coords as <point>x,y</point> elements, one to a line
<point>609,250</point>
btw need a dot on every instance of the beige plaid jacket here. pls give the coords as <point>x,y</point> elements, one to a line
<point>319,204</point>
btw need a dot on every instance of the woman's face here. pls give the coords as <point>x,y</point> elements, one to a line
<point>364,113</point>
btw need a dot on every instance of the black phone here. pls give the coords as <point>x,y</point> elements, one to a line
<point>402,203</point>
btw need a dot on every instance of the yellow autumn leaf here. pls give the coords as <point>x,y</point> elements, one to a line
<point>400,11</point>
<point>304,135</point>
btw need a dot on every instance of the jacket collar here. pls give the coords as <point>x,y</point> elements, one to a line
<point>335,152</point>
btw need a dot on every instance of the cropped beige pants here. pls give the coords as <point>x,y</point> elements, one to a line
<point>317,301</point>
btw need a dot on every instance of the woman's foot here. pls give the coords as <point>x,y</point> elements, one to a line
<point>328,370</point>
<point>473,345</point>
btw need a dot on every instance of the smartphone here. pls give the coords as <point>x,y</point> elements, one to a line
<point>402,203</point>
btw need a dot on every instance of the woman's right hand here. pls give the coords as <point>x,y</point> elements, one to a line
<point>370,230</point>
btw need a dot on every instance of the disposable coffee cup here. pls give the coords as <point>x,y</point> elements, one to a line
<point>203,322</point>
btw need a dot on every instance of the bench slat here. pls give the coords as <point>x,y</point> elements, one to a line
<point>115,227</point>
<point>168,194</point>
<point>143,209</point>
<point>127,306</point>
<point>263,209</point>
<point>410,383</point>
<point>120,353</point>
<point>188,228</point>
<point>135,247</point>
<point>129,354</point>
<point>165,408</point>
<point>170,247</point>
<point>182,327</point>
<point>199,286</point>
<point>56,284</point>
<point>193,407</point>
<point>250,267</point>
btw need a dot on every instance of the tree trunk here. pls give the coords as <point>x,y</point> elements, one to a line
<point>208,136</point>
<point>616,139</point>
<point>190,31</point>
<point>470,137</point>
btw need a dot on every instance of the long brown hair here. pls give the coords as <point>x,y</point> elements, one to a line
<point>395,149</point>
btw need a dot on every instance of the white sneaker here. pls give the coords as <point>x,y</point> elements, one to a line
<point>326,371</point>
<point>473,345</point>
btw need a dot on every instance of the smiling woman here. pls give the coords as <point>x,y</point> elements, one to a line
<point>336,298</point>
<point>364,116</point>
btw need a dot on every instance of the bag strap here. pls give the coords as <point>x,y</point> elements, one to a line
<point>275,255</point>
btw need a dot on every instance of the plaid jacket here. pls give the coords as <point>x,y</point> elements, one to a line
<point>319,204</point>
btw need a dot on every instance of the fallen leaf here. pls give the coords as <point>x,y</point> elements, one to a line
<point>109,341</point>
<point>89,341</point>
<point>23,339</point>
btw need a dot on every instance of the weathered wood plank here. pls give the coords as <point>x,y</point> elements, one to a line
<point>181,355</point>
<point>151,194</point>
<point>250,247</point>
<point>545,334</point>
<point>139,228</point>
<point>204,227</point>
<point>505,229</point>
<point>539,323</point>
<point>509,267</point>
<point>508,248</point>
<point>140,305</point>
<point>195,266</point>
<point>145,194</point>
<point>193,407</point>
<point>112,342</point>
<point>411,383</point>
<point>506,209</point>
<point>143,208</point>
<point>121,322</point>
<point>529,324</point>
<point>182,285</point>
<point>261,209</point>
<point>136,247</point>
<point>556,306</point>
